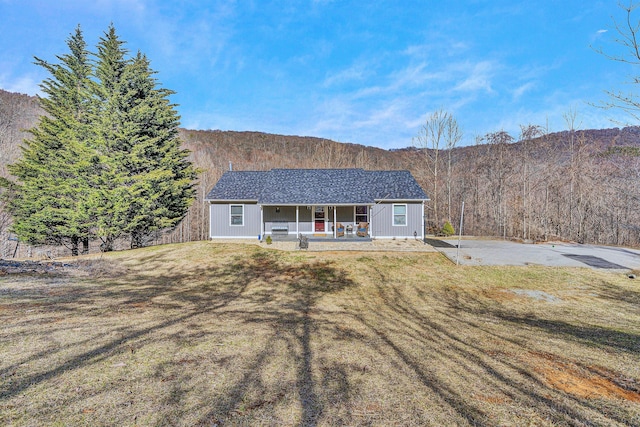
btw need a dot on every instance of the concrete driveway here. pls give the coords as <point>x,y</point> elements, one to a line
<point>500,252</point>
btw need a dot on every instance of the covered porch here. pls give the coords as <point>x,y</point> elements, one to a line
<point>316,221</point>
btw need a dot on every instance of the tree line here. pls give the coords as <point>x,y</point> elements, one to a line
<point>579,185</point>
<point>104,161</point>
<point>576,185</point>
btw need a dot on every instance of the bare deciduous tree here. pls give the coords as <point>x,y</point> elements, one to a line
<point>626,36</point>
<point>453,136</point>
<point>441,128</point>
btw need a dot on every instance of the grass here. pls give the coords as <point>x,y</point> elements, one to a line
<point>206,334</point>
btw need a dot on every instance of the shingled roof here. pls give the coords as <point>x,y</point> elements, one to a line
<point>316,186</point>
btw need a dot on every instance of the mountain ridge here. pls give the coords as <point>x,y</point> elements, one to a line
<point>575,185</point>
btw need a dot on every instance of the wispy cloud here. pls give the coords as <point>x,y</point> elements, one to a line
<point>356,72</point>
<point>438,45</point>
<point>479,79</point>
<point>522,89</point>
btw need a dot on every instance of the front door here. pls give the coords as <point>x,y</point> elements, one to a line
<point>319,219</point>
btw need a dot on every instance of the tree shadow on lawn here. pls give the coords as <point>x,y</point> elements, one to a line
<point>592,336</point>
<point>112,297</point>
<point>619,294</point>
<point>288,306</point>
<point>447,350</point>
<point>260,290</point>
<point>440,341</point>
<point>80,302</point>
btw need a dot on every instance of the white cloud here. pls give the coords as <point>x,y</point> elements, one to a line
<point>381,115</point>
<point>412,75</point>
<point>439,45</point>
<point>522,89</point>
<point>479,79</point>
<point>355,73</point>
<point>24,84</point>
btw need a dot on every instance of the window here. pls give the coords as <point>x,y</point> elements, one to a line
<point>237,214</point>
<point>399,214</point>
<point>361,214</point>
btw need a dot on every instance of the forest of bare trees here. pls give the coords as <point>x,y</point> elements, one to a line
<point>578,185</point>
<point>575,185</point>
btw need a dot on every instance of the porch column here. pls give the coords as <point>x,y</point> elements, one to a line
<point>423,224</point>
<point>335,227</point>
<point>261,223</point>
<point>297,221</point>
<point>371,221</point>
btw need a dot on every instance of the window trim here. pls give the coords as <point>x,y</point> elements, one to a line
<point>231,215</point>
<point>405,215</point>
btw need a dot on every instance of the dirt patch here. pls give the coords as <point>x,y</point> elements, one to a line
<point>584,382</point>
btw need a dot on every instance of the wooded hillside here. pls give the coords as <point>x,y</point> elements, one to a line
<point>575,185</point>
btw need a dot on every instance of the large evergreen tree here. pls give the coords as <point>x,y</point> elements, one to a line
<point>110,139</point>
<point>159,176</point>
<point>106,159</point>
<point>53,178</point>
<point>147,182</point>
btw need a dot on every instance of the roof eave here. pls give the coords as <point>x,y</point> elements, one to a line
<point>318,204</point>
<point>232,200</point>
<point>401,200</point>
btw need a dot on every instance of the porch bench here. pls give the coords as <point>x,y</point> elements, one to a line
<point>280,230</point>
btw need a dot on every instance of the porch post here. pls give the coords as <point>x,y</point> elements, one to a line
<point>371,221</point>
<point>423,224</point>
<point>261,223</point>
<point>297,221</point>
<point>335,227</point>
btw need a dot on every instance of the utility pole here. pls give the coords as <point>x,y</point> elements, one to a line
<point>460,234</point>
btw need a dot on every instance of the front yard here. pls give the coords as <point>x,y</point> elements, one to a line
<point>230,334</point>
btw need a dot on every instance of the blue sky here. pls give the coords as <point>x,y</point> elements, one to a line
<point>352,71</point>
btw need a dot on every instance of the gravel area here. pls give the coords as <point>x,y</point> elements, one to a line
<point>554,254</point>
<point>382,245</point>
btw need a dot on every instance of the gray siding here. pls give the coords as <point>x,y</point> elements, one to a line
<point>344,214</point>
<point>286,216</point>
<point>306,222</point>
<point>220,221</point>
<point>382,221</point>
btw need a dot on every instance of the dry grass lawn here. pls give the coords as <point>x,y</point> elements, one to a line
<point>206,334</point>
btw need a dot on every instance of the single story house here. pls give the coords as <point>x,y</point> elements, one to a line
<point>255,204</point>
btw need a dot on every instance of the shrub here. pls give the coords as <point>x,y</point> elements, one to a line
<point>269,240</point>
<point>447,229</point>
